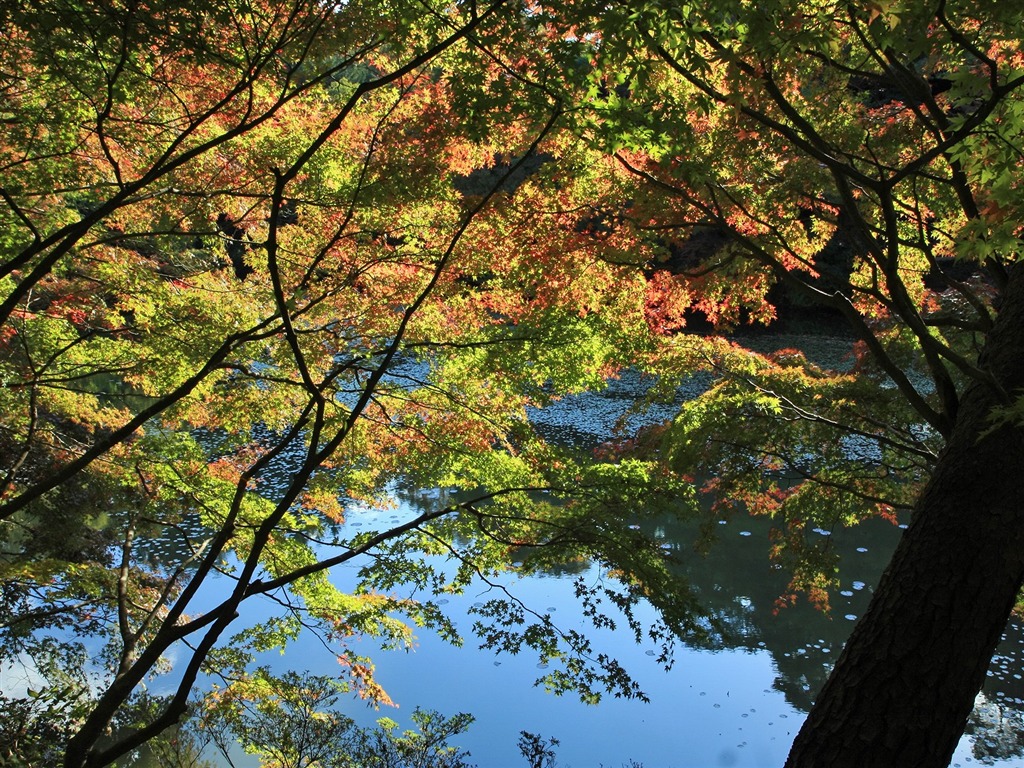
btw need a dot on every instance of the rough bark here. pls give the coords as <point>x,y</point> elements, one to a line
<point>902,690</point>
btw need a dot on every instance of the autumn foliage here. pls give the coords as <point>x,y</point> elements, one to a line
<point>262,263</point>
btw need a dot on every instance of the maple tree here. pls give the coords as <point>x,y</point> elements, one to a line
<point>295,720</point>
<point>261,260</point>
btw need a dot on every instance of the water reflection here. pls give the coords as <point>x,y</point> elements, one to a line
<point>737,701</point>
<point>736,698</point>
<point>737,582</point>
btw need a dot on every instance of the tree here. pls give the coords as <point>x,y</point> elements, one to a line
<point>259,261</point>
<point>862,158</point>
<point>296,721</point>
<point>292,723</point>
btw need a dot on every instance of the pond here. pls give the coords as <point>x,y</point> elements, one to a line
<point>737,702</point>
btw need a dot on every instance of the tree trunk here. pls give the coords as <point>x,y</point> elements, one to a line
<point>902,690</point>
